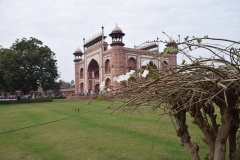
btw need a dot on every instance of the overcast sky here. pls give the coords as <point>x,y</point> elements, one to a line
<point>62,24</point>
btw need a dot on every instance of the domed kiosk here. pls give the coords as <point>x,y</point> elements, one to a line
<point>117,36</point>
<point>78,55</point>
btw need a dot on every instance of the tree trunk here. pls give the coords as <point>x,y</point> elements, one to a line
<point>232,145</point>
<point>232,136</point>
<point>183,133</point>
<point>237,153</point>
<point>223,133</point>
<point>205,128</point>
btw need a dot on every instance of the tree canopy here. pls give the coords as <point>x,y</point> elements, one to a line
<point>28,65</point>
<point>198,88</point>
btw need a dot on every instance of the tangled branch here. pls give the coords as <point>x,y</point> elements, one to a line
<point>195,88</point>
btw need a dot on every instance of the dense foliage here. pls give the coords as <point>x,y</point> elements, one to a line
<point>28,65</point>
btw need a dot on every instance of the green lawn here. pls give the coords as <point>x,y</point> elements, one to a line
<point>96,135</point>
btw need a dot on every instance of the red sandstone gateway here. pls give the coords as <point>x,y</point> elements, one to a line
<point>101,63</point>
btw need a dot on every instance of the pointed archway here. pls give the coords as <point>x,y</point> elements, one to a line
<point>132,64</point>
<point>82,88</point>
<point>97,88</point>
<point>164,65</point>
<point>81,73</point>
<point>93,75</point>
<point>107,67</point>
<point>108,83</point>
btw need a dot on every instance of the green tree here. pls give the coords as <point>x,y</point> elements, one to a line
<point>72,83</point>
<point>28,65</point>
<point>8,70</point>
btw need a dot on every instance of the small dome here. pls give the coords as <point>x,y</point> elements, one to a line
<point>117,29</point>
<point>78,50</point>
<point>171,42</point>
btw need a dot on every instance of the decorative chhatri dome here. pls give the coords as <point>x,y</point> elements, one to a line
<point>116,29</point>
<point>78,55</point>
<point>78,50</point>
<point>117,36</point>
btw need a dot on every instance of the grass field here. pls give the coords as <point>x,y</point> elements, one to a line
<point>95,135</point>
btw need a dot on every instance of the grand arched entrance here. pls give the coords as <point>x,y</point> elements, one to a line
<point>93,76</point>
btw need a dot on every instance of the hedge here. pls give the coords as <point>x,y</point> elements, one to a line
<point>47,99</point>
<point>59,97</point>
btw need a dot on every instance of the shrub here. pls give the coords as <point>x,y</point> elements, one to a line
<point>100,98</point>
<point>47,99</point>
<point>59,97</point>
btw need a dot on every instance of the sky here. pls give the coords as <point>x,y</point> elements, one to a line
<point>62,24</point>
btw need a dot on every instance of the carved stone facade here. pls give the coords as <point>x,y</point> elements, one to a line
<point>101,63</point>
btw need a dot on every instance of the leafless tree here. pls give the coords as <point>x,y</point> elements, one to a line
<point>197,87</point>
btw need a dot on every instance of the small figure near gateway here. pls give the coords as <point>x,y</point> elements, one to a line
<point>102,63</point>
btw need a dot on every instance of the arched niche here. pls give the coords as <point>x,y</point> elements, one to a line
<point>81,73</point>
<point>107,66</point>
<point>108,82</point>
<point>132,64</point>
<point>82,87</point>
